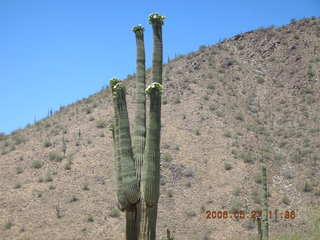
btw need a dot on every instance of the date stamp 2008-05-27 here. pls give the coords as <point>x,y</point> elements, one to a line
<point>254,214</point>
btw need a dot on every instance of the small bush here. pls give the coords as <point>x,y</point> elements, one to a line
<point>285,200</point>
<point>73,199</point>
<point>167,157</point>
<point>85,187</point>
<point>189,173</point>
<point>48,178</point>
<point>19,170</point>
<point>260,80</point>
<point>236,192</point>
<point>258,179</point>
<point>227,166</point>
<point>177,100</point>
<point>90,219</point>
<point>236,205</point>
<point>47,144</point>
<point>247,157</point>
<point>307,187</point>
<point>67,166</point>
<point>227,134</point>
<point>8,225</point>
<point>37,164</point>
<point>115,213</point>
<point>55,156</point>
<point>212,108</point>
<point>240,116</point>
<point>101,124</point>
<point>256,197</point>
<point>191,213</point>
<point>88,110</point>
<point>202,47</point>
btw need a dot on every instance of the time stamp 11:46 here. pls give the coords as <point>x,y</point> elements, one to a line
<point>242,214</point>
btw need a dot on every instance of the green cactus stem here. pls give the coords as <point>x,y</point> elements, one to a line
<point>128,172</point>
<point>150,181</point>
<point>265,216</point>
<point>139,133</point>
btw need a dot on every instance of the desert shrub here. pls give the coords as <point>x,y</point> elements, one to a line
<point>85,187</point>
<point>18,139</point>
<point>47,143</point>
<point>240,116</point>
<point>37,164</point>
<point>48,178</point>
<point>88,110</point>
<point>101,124</point>
<point>227,166</point>
<point>260,80</point>
<point>211,86</point>
<point>258,179</point>
<point>236,192</point>
<point>191,213</point>
<point>236,205</point>
<point>307,187</point>
<point>167,157</point>
<point>115,212</point>
<point>285,200</point>
<point>73,199</point>
<point>227,134</point>
<point>55,156</point>
<point>19,170</point>
<point>256,197</point>
<point>202,47</point>
<point>212,108</point>
<point>189,173</point>
<point>247,157</point>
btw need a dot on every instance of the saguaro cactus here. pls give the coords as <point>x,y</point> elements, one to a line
<point>137,166</point>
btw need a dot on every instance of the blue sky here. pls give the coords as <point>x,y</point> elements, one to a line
<point>54,53</point>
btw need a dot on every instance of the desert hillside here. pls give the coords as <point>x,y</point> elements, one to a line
<point>225,108</point>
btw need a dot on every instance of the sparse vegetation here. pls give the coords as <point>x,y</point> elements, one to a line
<point>101,124</point>
<point>55,157</point>
<point>115,213</point>
<point>37,164</point>
<point>227,166</point>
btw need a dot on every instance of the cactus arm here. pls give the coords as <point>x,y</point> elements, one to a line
<point>128,172</point>
<point>139,133</point>
<point>121,200</point>
<point>151,166</point>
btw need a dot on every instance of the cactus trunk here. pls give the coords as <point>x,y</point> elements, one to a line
<point>137,166</point>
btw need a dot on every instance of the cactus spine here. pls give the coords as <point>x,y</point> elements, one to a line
<point>137,166</point>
